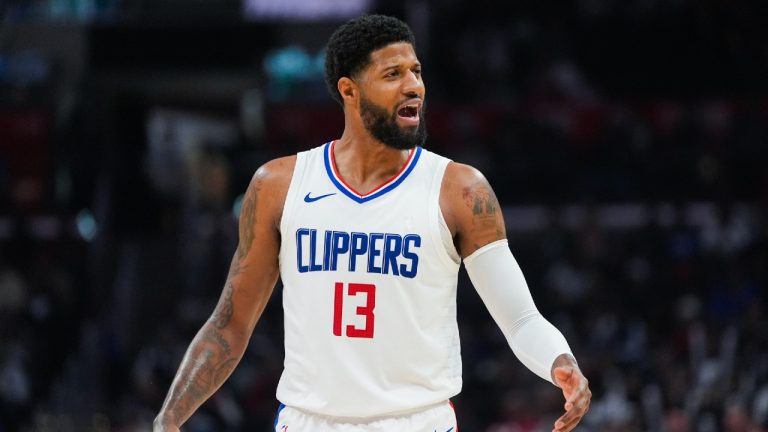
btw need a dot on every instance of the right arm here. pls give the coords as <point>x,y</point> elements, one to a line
<point>474,216</point>
<point>220,343</point>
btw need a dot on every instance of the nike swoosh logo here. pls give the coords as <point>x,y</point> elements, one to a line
<point>310,199</point>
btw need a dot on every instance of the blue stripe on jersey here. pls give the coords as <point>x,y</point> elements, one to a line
<point>361,199</point>
<point>277,416</point>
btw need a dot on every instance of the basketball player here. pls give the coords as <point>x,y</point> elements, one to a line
<point>367,233</point>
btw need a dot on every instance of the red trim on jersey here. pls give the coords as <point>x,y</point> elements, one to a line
<point>450,402</point>
<point>390,180</point>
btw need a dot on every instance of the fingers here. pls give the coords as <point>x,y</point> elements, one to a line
<point>572,417</point>
<point>578,397</point>
<point>565,426</point>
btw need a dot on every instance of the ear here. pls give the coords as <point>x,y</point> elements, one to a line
<point>348,90</point>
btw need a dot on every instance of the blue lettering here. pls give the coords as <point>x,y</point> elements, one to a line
<point>384,253</point>
<point>327,251</point>
<point>373,252</point>
<point>408,241</point>
<point>358,247</point>
<point>392,247</point>
<point>313,266</point>
<point>340,246</point>
<point>301,232</point>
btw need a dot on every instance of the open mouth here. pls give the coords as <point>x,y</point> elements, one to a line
<point>408,111</point>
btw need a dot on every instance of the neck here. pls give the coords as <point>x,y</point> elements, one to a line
<point>364,162</point>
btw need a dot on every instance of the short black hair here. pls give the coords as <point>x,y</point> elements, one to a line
<point>349,48</point>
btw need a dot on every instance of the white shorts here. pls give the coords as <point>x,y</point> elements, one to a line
<point>437,418</point>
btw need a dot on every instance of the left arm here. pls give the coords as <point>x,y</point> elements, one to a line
<point>474,217</point>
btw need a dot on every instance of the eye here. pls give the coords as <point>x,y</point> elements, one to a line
<point>392,73</point>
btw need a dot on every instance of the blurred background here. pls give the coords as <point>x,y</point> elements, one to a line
<point>627,141</point>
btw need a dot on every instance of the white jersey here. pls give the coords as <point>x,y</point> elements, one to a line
<point>369,291</point>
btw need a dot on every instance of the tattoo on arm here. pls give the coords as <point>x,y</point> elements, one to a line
<point>217,360</point>
<point>224,309</point>
<point>202,372</point>
<point>248,217</point>
<point>209,359</point>
<point>218,346</point>
<point>222,315</point>
<point>487,221</point>
<point>207,363</point>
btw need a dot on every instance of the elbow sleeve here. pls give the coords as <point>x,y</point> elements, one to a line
<point>497,277</point>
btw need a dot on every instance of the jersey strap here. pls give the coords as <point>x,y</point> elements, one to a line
<point>333,174</point>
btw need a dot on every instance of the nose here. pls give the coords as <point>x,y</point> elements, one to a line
<point>413,85</point>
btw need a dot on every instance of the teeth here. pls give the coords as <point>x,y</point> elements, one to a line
<point>409,111</point>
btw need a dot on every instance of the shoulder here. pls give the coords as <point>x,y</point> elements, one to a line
<point>458,175</point>
<point>462,188</point>
<point>277,171</point>
<point>470,208</point>
<point>269,186</point>
<point>274,176</point>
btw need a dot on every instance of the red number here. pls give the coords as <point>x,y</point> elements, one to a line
<point>366,311</point>
<point>338,303</point>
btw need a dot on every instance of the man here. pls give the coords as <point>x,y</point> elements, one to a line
<point>367,233</point>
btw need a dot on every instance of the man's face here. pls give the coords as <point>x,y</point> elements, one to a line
<point>392,97</point>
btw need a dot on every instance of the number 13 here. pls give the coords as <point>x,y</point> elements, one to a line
<point>366,311</point>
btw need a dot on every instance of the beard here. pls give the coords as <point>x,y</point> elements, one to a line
<point>384,128</point>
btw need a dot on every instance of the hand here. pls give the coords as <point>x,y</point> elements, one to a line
<point>577,396</point>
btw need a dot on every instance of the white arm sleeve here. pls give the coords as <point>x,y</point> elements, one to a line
<point>500,283</point>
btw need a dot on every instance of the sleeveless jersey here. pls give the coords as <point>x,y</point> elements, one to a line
<point>369,291</point>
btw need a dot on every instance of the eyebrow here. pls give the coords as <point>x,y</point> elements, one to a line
<point>397,66</point>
